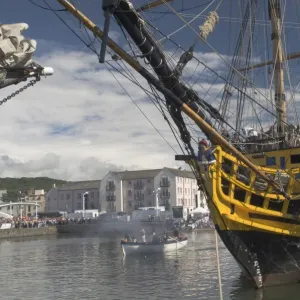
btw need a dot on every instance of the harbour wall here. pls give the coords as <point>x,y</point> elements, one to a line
<point>24,232</point>
<point>81,229</point>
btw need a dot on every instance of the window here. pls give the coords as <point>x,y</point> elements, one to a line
<point>185,190</point>
<point>110,185</point>
<point>129,204</point>
<point>165,193</point>
<point>97,195</point>
<point>79,205</point>
<point>68,196</point>
<point>92,205</point>
<point>271,161</point>
<point>129,192</point>
<point>149,191</point>
<point>295,159</point>
<point>129,182</point>
<point>164,182</point>
<point>92,195</point>
<point>257,200</point>
<point>181,190</point>
<point>149,180</point>
<point>79,196</point>
<point>194,192</point>
<point>178,190</point>
<point>282,163</point>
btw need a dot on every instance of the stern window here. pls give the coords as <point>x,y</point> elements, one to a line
<point>295,159</point>
<point>257,200</point>
<point>271,161</point>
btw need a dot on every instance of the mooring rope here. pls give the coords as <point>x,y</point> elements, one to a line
<point>218,264</point>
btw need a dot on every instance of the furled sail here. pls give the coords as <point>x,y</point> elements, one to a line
<point>16,53</point>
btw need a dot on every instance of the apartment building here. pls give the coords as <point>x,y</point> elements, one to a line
<point>68,197</point>
<point>129,190</point>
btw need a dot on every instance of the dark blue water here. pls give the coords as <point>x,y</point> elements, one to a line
<point>94,268</point>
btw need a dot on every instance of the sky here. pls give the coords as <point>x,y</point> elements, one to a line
<point>79,124</point>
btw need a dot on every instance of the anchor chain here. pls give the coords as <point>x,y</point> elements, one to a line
<point>14,94</point>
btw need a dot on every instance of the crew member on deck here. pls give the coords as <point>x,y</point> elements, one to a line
<point>207,151</point>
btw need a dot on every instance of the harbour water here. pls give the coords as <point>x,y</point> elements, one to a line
<point>61,267</point>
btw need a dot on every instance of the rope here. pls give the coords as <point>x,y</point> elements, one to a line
<point>218,265</point>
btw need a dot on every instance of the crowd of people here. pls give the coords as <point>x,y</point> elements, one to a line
<point>202,222</point>
<point>25,222</point>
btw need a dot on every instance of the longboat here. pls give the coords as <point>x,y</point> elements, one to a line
<point>150,248</point>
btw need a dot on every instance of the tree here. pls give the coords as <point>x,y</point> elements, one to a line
<point>11,195</point>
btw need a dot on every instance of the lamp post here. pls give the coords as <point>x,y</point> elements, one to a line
<point>157,201</point>
<point>21,210</point>
<point>83,202</point>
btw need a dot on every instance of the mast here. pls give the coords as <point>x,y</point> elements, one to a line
<point>280,101</point>
<point>189,110</point>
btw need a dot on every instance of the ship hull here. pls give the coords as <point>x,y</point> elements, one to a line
<point>268,259</point>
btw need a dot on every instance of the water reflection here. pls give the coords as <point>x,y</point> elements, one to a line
<point>94,268</point>
<point>243,289</point>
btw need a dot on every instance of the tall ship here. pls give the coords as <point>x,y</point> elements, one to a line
<point>224,76</point>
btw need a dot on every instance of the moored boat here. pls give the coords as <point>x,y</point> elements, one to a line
<point>164,246</point>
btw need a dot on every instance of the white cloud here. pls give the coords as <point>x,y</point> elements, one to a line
<point>79,124</point>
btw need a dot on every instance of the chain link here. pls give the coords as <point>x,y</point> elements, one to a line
<point>14,94</point>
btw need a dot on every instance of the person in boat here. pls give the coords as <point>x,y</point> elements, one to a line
<point>155,238</point>
<point>129,238</point>
<point>177,235</point>
<point>126,238</point>
<point>207,151</point>
<point>143,235</point>
<point>165,236</point>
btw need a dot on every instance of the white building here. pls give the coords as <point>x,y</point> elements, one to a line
<point>68,197</point>
<point>14,210</point>
<point>130,190</point>
<point>33,196</point>
<point>32,201</point>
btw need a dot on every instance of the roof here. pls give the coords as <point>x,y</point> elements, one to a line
<point>80,185</point>
<point>144,174</point>
<point>140,174</point>
<point>181,173</point>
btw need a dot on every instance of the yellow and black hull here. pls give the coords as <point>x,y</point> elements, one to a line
<point>259,227</point>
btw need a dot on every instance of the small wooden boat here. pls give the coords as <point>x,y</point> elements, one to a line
<point>165,246</point>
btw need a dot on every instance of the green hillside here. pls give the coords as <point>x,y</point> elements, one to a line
<point>14,185</point>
